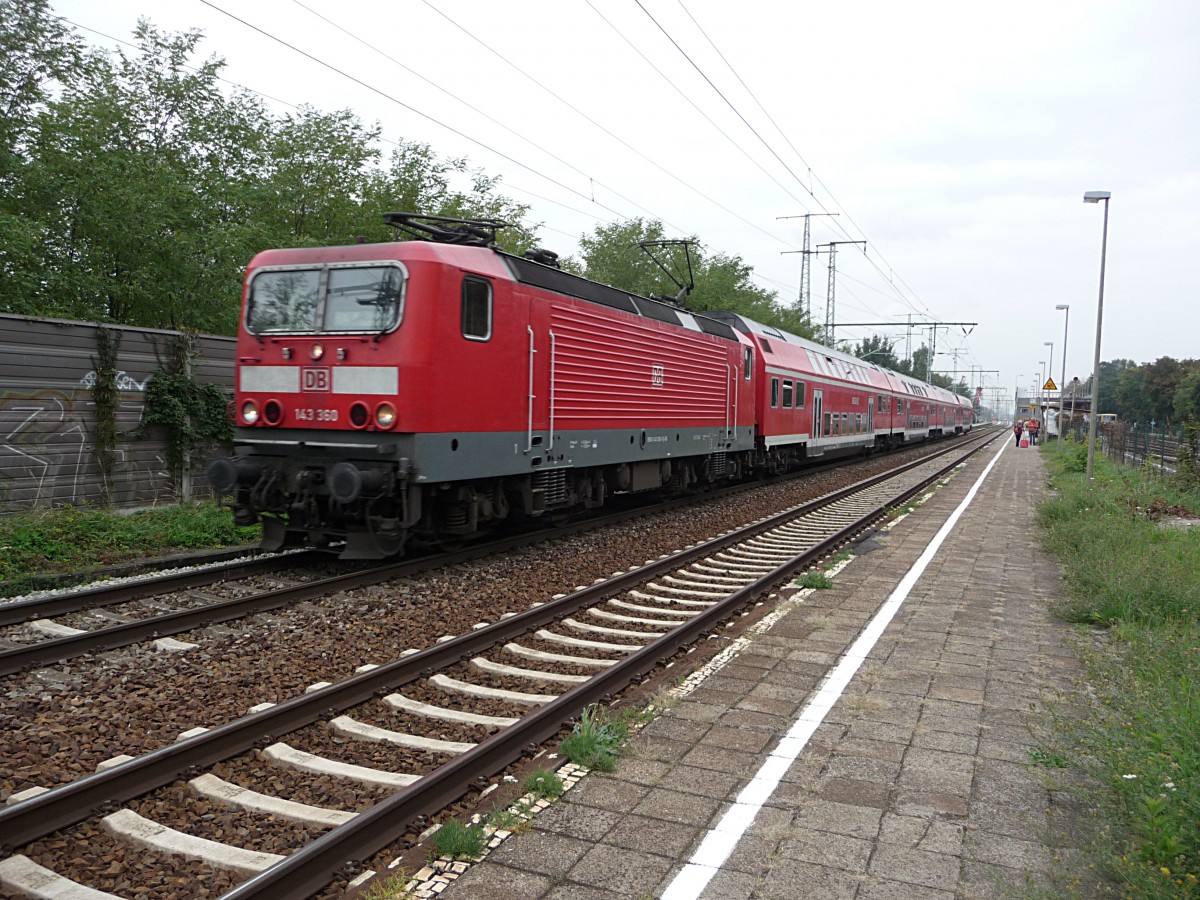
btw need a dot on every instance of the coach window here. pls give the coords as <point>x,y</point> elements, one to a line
<point>774,392</point>
<point>787,394</point>
<point>747,357</point>
<point>476,309</point>
<point>799,395</point>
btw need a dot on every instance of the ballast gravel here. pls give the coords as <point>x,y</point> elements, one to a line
<point>60,723</point>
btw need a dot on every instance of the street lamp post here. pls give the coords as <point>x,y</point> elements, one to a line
<point>1046,395</point>
<point>1096,197</point>
<point>1062,385</point>
<point>1074,389</point>
<point>1041,393</point>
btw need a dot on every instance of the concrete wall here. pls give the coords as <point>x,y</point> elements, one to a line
<point>47,415</point>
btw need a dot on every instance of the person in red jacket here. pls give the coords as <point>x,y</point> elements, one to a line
<point>1034,427</point>
<point>1017,429</point>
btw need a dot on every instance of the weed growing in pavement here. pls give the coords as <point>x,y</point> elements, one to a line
<point>1136,737</point>
<point>514,817</point>
<point>816,580</point>
<point>543,784</point>
<point>458,841</point>
<point>1047,758</point>
<point>596,740</point>
<point>391,887</point>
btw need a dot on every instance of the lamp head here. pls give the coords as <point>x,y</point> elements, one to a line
<point>1062,306</point>
<point>1096,196</point>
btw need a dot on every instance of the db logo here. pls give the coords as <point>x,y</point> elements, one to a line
<point>313,379</point>
<point>658,376</point>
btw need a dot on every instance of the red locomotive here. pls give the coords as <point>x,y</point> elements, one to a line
<point>424,389</point>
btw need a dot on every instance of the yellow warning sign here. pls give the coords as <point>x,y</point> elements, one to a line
<point>1050,385</point>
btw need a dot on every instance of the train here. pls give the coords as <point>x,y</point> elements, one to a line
<point>420,391</point>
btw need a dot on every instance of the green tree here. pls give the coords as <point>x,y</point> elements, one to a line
<point>36,52</point>
<point>320,173</point>
<point>139,191</point>
<point>1187,396</point>
<point>1162,378</point>
<point>611,254</point>
<point>878,350</point>
<point>1110,373</point>
<point>418,180</point>
<point>133,170</point>
<point>1129,399</point>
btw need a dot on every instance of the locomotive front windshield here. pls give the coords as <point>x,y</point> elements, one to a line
<point>327,299</point>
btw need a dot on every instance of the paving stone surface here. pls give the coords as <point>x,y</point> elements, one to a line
<point>917,784</point>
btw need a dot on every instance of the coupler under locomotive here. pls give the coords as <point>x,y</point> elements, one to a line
<point>364,511</point>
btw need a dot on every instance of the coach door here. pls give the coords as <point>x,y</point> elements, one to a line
<point>818,403</point>
<point>871,415</point>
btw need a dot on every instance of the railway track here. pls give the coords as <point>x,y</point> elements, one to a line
<point>45,640</point>
<point>517,680</point>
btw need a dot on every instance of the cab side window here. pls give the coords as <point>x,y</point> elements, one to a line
<point>774,392</point>
<point>787,394</point>
<point>476,309</point>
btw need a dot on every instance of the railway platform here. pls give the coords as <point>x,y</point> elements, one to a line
<point>877,741</point>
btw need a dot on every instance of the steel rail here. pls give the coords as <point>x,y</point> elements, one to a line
<point>61,581</point>
<point>71,803</point>
<point>310,868</point>
<point>109,594</point>
<point>114,636</point>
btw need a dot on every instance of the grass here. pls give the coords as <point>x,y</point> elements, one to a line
<point>816,580</point>
<point>391,887</point>
<point>458,841</point>
<point>1137,735</point>
<point>72,538</point>
<point>511,818</point>
<point>543,784</point>
<point>596,740</point>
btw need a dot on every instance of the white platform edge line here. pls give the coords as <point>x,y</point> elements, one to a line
<point>721,840</point>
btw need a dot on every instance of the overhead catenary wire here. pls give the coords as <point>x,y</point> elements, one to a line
<point>591,215</point>
<point>518,162</point>
<point>664,169</point>
<point>762,140</point>
<point>470,106</point>
<point>410,108</point>
<point>383,140</point>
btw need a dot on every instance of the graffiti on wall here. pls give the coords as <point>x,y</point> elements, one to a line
<point>125,382</point>
<point>46,452</point>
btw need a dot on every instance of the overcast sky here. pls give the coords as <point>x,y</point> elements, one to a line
<point>957,138</point>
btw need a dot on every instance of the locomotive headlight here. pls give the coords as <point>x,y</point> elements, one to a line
<point>317,351</point>
<point>385,415</point>
<point>249,412</point>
